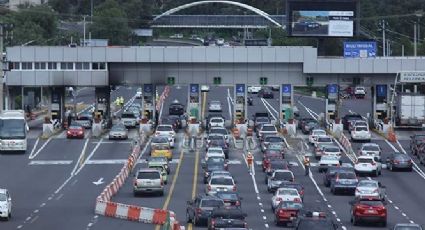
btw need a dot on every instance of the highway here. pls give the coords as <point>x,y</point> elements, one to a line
<point>52,184</point>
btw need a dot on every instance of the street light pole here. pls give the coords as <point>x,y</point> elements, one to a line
<point>415,39</point>
<point>1,70</point>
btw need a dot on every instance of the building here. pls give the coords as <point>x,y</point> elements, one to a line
<point>13,4</point>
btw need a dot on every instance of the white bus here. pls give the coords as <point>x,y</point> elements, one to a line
<point>13,131</point>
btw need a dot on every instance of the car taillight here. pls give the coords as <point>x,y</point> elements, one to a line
<point>302,192</point>
<point>234,188</point>
<point>212,223</point>
<point>162,182</point>
<point>298,200</point>
<point>135,182</point>
<point>281,212</point>
<point>69,132</point>
<point>396,161</point>
<point>410,161</point>
<point>337,178</point>
<point>373,163</point>
<point>238,203</point>
<point>376,190</point>
<point>209,187</point>
<point>245,225</point>
<point>279,199</point>
<point>198,211</point>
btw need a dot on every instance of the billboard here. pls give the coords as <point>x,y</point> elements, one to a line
<point>359,49</point>
<point>322,18</point>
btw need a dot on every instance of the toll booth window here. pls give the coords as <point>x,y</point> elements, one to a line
<point>82,65</point>
<point>14,65</point>
<point>26,65</point>
<point>240,100</point>
<point>40,65</point>
<point>52,65</point>
<point>67,65</point>
<point>98,66</point>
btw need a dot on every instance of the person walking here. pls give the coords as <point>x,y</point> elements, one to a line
<point>249,159</point>
<point>307,165</point>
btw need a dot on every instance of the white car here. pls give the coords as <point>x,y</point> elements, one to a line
<point>5,204</point>
<point>370,188</point>
<point>129,119</point>
<point>355,123</point>
<point>360,133</point>
<point>214,106</point>
<point>327,161</point>
<point>360,91</point>
<point>220,130</point>
<point>370,149</point>
<point>216,122</point>
<point>166,131</point>
<point>314,134</point>
<point>328,150</point>
<point>285,194</point>
<point>267,130</point>
<point>214,152</point>
<point>139,93</point>
<point>205,88</point>
<point>323,140</point>
<point>368,165</point>
<point>220,183</point>
<point>254,89</point>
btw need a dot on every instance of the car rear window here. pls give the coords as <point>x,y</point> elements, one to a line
<point>361,128</point>
<point>164,128</point>
<point>148,175</point>
<point>283,176</point>
<point>262,119</point>
<point>290,192</point>
<point>371,202</point>
<point>215,160</point>
<point>365,160</point>
<point>332,149</point>
<point>216,120</point>
<point>176,106</point>
<point>211,203</point>
<point>210,150</point>
<point>347,175</point>
<point>159,140</point>
<point>75,127</point>
<point>370,148</point>
<point>268,128</point>
<point>367,183</point>
<point>222,181</point>
<point>291,205</point>
<point>227,196</point>
<point>83,118</point>
<point>219,131</point>
<point>324,139</point>
<point>273,139</point>
<point>128,115</point>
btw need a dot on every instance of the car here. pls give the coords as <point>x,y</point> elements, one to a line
<point>75,130</point>
<point>269,156</point>
<point>305,25</point>
<point>416,143</point>
<point>308,126</point>
<point>139,93</point>
<point>287,213</point>
<point>230,198</point>
<point>219,42</point>
<point>176,108</point>
<point>216,122</point>
<point>267,129</point>
<point>370,209</point>
<point>370,188</point>
<point>277,177</point>
<point>250,101</point>
<point>355,123</point>
<point>214,106</point>
<point>320,148</point>
<point>276,147</point>
<point>332,171</point>
<point>313,220</point>
<point>177,119</point>
<point>218,173</point>
<point>326,161</point>
<point>350,117</point>
<point>344,181</point>
<point>161,161</point>
<point>407,226</point>
<point>220,183</point>
<point>148,181</point>
<point>259,121</point>
<point>221,131</point>
<point>331,150</point>
<point>304,120</point>
<point>360,92</point>
<point>159,140</point>
<point>285,194</point>
<point>161,150</point>
<point>199,210</point>
<point>169,121</point>
<point>271,139</point>
<point>360,133</point>
<point>399,160</point>
<point>299,187</point>
<point>266,93</point>
<point>226,218</point>
<point>275,87</point>
<point>166,131</point>
<point>85,120</point>
<point>370,149</point>
<point>177,36</point>
<point>205,88</point>
<point>5,204</point>
<point>368,165</point>
<point>214,152</point>
<point>275,164</point>
<point>254,89</point>
<point>129,119</point>
<point>323,140</point>
<point>118,131</point>
<point>218,141</point>
<point>213,164</point>
<point>161,168</point>
<point>315,133</point>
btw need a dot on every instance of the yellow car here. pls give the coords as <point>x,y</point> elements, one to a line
<point>162,151</point>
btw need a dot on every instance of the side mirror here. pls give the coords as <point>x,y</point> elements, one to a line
<point>147,159</point>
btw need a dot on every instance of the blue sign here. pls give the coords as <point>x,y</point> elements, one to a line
<point>240,88</point>
<point>286,88</point>
<point>194,88</point>
<point>333,88</point>
<point>148,88</point>
<point>381,90</point>
<point>359,49</point>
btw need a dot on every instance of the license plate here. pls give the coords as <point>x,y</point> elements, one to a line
<point>364,165</point>
<point>371,211</point>
<point>227,204</point>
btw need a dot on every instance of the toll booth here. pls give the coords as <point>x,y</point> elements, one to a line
<point>148,101</point>
<point>332,102</point>
<point>240,102</point>
<point>102,108</point>
<point>57,106</point>
<point>194,99</point>
<point>286,102</point>
<point>380,97</point>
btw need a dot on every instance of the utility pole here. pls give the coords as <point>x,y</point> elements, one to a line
<point>415,39</point>
<point>1,70</point>
<point>84,30</point>
<point>91,11</point>
<point>383,39</point>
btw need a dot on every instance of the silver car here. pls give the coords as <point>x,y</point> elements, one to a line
<point>370,149</point>
<point>370,188</point>
<point>118,131</point>
<point>148,181</point>
<point>220,183</point>
<point>214,106</point>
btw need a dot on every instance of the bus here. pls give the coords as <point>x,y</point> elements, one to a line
<point>13,131</point>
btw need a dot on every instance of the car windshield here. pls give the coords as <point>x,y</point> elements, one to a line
<point>216,120</point>
<point>283,176</point>
<point>364,160</point>
<point>402,157</point>
<point>291,205</point>
<point>211,150</point>
<point>215,160</point>
<point>361,128</point>
<point>370,148</point>
<point>227,196</point>
<point>220,173</point>
<point>128,115</point>
<point>176,106</point>
<point>215,103</point>
<point>3,197</point>
<point>83,118</point>
<point>273,139</point>
<point>165,128</point>
<point>211,203</point>
<point>289,192</point>
<point>315,224</point>
<point>75,127</point>
<point>118,128</point>
<point>347,176</point>
<point>12,129</point>
<point>219,131</point>
<point>262,119</point>
<point>368,184</point>
<point>222,181</point>
<point>157,167</point>
<point>311,123</point>
<point>148,175</point>
<point>268,128</point>
<point>332,149</point>
<point>328,158</point>
<point>324,139</point>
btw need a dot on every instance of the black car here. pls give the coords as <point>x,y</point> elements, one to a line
<point>271,139</point>
<point>225,218</point>
<point>399,161</point>
<point>347,119</point>
<point>260,119</point>
<point>276,164</point>
<point>213,164</point>
<point>344,182</point>
<point>200,209</point>
<point>176,119</point>
<point>307,126</point>
<point>416,142</point>
<point>265,93</point>
<point>304,120</point>
<point>309,220</point>
<point>218,141</point>
<point>176,108</point>
<point>85,120</point>
<point>332,170</point>
<point>250,101</point>
<point>230,198</point>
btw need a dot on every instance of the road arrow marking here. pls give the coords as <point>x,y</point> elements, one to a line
<point>99,182</point>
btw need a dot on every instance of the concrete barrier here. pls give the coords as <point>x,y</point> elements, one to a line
<point>291,129</point>
<point>47,130</point>
<point>97,129</point>
<point>337,130</point>
<point>242,130</point>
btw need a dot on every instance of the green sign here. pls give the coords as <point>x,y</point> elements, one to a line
<point>217,80</point>
<point>171,80</point>
<point>263,81</point>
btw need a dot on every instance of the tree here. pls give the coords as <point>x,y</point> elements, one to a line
<point>139,12</point>
<point>110,22</point>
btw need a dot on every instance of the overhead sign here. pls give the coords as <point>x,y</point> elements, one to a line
<point>359,49</point>
<point>194,88</point>
<point>240,89</point>
<point>413,77</point>
<point>286,90</point>
<point>381,90</point>
<point>332,88</point>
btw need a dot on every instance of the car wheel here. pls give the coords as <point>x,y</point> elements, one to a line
<point>354,221</point>
<point>135,194</point>
<point>377,173</point>
<point>410,169</point>
<point>390,167</point>
<point>188,219</point>
<point>165,182</point>
<point>276,222</point>
<point>161,193</point>
<point>384,223</point>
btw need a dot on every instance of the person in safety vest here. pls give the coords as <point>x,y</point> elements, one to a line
<point>121,101</point>
<point>249,159</point>
<point>307,165</point>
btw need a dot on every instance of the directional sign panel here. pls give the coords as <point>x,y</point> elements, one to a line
<point>333,88</point>
<point>194,89</point>
<point>286,89</point>
<point>381,90</point>
<point>240,89</point>
<point>148,89</point>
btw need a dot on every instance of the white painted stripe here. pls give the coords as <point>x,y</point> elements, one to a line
<point>111,142</point>
<point>268,109</point>
<point>105,162</point>
<point>33,148</point>
<point>40,149</point>
<point>50,162</point>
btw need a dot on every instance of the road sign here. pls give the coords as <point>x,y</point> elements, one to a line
<point>332,88</point>
<point>194,88</point>
<point>381,90</point>
<point>240,88</point>
<point>148,89</point>
<point>286,88</point>
<point>359,49</point>
<point>412,77</point>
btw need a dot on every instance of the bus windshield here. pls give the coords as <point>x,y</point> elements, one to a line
<point>12,129</point>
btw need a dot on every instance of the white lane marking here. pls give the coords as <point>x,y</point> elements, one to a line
<point>112,142</point>
<point>40,149</point>
<point>89,157</point>
<point>267,225</point>
<point>268,110</point>
<point>106,162</point>
<point>262,210</point>
<point>264,218</point>
<point>313,114</point>
<point>83,151</point>
<point>229,96</point>
<point>19,227</point>
<point>160,110</point>
<point>50,162</point>
<point>271,107</point>
<point>34,147</point>
<point>229,101</point>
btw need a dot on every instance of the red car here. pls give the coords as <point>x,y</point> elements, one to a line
<point>269,156</point>
<point>287,212</point>
<point>75,131</point>
<point>368,209</point>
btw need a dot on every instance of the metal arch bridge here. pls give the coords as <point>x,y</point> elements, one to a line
<point>184,22</point>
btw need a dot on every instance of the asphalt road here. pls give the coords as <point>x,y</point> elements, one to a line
<point>52,184</point>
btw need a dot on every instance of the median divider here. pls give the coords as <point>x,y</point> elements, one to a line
<point>104,206</point>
